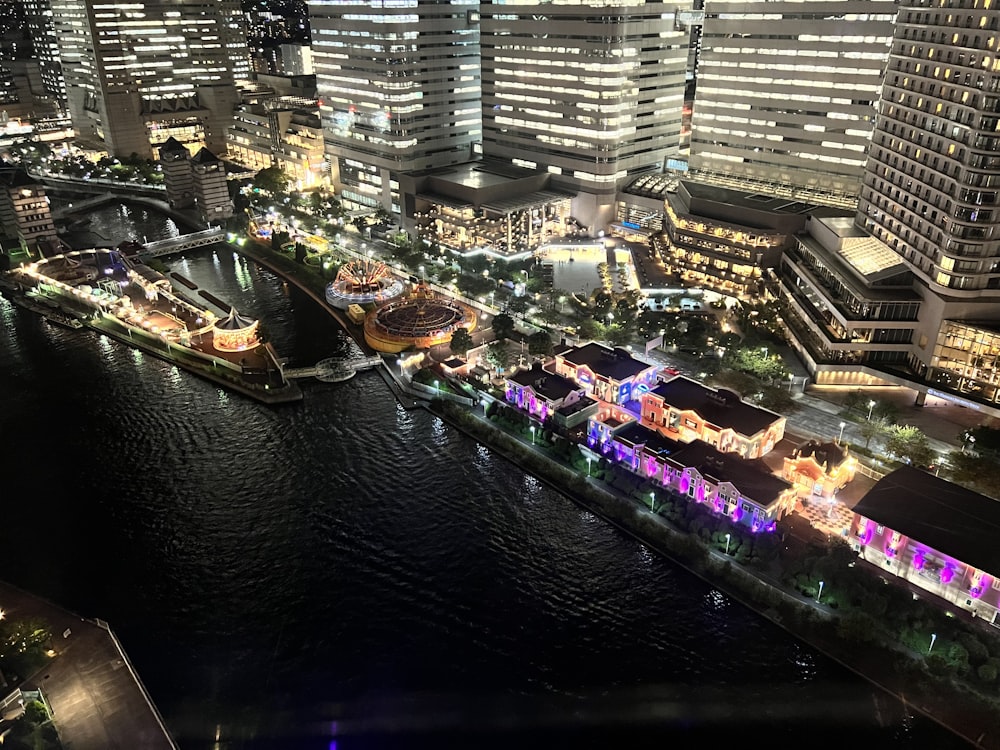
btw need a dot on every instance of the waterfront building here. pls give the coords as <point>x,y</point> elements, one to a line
<point>932,534</point>
<point>25,213</point>
<point>745,490</point>
<point>819,469</point>
<point>400,91</point>
<point>611,375</point>
<point>786,95</point>
<point>138,74</point>
<point>211,188</point>
<point>178,178</point>
<point>541,393</point>
<point>686,410</point>
<point>590,93</point>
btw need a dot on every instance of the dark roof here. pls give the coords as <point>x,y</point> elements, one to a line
<point>234,321</point>
<point>568,410</point>
<point>829,452</point>
<point>452,363</point>
<point>17,177</point>
<point>615,364</point>
<point>172,146</point>
<point>638,435</point>
<point>546,384</point>
<point>721,407</point>
<point>204,156</point>
<point>958,522</point>
<point>752,477</point>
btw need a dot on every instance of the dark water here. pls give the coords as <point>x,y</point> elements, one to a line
<point>344,573</point>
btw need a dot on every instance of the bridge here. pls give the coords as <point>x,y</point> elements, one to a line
<point>183,242</point>
<point>99,186</point>
<point>334,369</point>
<point>83,206</point>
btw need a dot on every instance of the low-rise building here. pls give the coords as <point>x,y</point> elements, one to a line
<point>25,213</point>
<point>819,469</point>
<point>935,535</point>
<point>541,393</point>
<point>611,375</point>
<point>686,410</point>
<point>743,489</point>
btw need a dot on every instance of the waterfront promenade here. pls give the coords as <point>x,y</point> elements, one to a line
<point>98,701</point>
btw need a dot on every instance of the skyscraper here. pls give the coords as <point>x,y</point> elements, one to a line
<point>140,73</point>
<point>931,187</point>
<point>787,94</point>
<point>41,29</point>
<point>591,92</point>
<point>400,90</point>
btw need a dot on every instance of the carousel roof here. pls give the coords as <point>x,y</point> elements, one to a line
<point>235,322</point>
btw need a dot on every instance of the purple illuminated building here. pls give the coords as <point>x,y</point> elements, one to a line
<point>935,535</point>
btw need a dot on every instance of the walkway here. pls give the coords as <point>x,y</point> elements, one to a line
<point>97,699</point>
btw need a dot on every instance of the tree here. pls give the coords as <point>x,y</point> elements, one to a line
<point>503,325</point>
<point>871,428</point>
<point>498,355</point>
<point>461,342</point>
<point>909,443</point>
<point>540,344</point>
<point>271,180</point>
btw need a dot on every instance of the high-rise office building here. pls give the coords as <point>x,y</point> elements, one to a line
<point>591,92</point>
<point>400,90</point>
<point>787,93</point>
<point>139,73</point>
<point>41,29</point>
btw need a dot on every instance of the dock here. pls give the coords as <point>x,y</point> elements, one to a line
<point>95,695</point>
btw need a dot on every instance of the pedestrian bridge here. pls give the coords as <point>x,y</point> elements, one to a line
<point>183,242</point>
<point>333,369</point>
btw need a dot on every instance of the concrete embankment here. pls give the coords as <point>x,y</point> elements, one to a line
<point>96,696</point>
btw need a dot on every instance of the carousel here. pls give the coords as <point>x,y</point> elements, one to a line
<point>362,281</point>
<point>235,333</point>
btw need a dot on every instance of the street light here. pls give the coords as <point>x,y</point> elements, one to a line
<point>791,381</point>
<point>652,502</point>
<point>871,406</point>
<point>820,594</point>
<point>933,638</point>
<point>532,434</point>
<point>728,537</point>
<point>589,459</point>
<point>841,438</point>
<point>436,386</point>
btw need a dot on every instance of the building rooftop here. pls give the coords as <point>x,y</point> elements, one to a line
<point>614,364</point>
<point>829,453</point>
<point>548,385</point>
<point>636,434</point>
<point>720,408</point>
<point>752,477</point>
<point>758,201</point>
<point>951,519</point>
